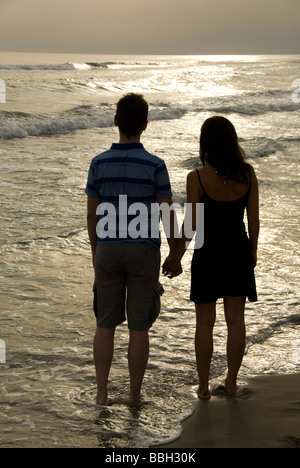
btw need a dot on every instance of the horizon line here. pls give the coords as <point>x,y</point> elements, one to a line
<point>207,54</point>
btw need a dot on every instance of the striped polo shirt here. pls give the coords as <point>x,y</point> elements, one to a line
<point>128,180</point>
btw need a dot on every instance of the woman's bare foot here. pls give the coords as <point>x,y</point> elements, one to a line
<point>135,400</point>
<point>231,388</point>
<point>101,398</point>
<point>204,395</point>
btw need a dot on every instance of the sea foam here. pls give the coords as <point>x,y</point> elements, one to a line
<point>22,125</point>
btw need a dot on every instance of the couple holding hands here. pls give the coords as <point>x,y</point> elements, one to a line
<point>127,271</point>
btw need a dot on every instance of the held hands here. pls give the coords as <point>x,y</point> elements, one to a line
<point>172,267</point>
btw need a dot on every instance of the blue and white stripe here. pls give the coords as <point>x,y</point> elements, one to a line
<point>128,169</point>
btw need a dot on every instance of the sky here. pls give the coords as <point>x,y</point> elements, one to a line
<point>192,27</point>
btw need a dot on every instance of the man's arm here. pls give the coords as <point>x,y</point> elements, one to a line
<point>173,227</point>
<point>92,221</point>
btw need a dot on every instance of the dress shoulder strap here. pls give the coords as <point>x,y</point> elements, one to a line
<point>200,181</point>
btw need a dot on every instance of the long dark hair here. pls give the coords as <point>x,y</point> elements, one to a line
<point>219,146</point>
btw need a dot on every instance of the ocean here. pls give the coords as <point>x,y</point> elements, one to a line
<point>58,114</point>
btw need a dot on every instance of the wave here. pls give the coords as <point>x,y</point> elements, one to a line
<point>254,148</point>
<point>76,66</point>
<point>249,103</point>
<point>22,125</point>
<point>68,235</point>
<point>263,335</point>
<point>58,67</point>
<point>14,125</point>
<point>261,147</point>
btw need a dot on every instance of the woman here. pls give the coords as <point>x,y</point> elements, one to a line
<point>224,266</point>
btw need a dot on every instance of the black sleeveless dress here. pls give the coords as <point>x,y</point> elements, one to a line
<point>223,266</point>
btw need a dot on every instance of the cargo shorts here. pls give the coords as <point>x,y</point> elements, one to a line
<point>127,285</point>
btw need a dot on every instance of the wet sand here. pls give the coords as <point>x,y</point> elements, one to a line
<point>264,414</point>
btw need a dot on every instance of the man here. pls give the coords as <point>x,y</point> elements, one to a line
<point>124,184</point>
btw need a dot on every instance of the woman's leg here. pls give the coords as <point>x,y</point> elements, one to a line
<point>206,316</point>
<point>235,318</point>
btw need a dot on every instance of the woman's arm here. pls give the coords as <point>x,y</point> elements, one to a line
<point>189,226</point>
<point>253,215</point>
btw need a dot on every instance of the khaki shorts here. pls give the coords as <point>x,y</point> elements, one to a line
<point>127,283</point>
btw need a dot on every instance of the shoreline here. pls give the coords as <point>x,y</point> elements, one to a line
<point>264,414</point>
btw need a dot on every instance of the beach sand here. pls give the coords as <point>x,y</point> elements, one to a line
<point>264,414</point>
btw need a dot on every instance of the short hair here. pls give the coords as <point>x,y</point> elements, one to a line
<point>132,114</point>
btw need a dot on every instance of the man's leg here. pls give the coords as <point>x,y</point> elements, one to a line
<point>103,355</point>
<point>138,354</point>
<point>143,267</point>
<point>111,291</point>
